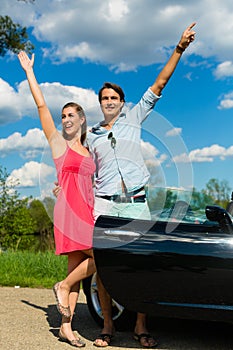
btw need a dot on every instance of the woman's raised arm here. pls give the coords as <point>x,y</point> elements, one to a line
<point>44,113</point>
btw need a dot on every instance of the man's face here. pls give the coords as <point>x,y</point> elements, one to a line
<point>111,104</point>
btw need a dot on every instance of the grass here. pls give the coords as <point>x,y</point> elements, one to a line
<point>34,270</point>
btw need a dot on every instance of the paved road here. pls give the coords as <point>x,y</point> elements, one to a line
<point>29,321</point>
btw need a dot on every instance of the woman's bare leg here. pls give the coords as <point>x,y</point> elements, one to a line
<point>84,268</point>
<point>74,259</point>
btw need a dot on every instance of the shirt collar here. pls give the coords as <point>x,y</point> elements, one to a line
<point>99,125</point>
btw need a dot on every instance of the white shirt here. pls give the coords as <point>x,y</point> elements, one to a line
<point>124,161</point>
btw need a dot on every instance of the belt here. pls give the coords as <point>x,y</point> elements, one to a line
<point>122,199</point>
<point>129,197</point>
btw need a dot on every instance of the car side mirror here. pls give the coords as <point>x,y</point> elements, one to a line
<point>216,213</point>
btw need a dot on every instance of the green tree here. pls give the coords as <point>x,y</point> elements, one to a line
<point>220,191</point>
<point>44,226</point>
<point>200,200</point>
<point>13,37</point>
<point>49,206</point>
<point>161,198</point>
<point>18,228</point>
<point>16,224</point>
<point>170,199</point>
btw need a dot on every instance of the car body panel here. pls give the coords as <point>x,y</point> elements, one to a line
<point>162,268</point>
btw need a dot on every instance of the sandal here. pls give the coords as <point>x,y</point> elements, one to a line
<point>78,343</point>
<point>103,337</point>
<point>145,337</point>
<point>63,310</point>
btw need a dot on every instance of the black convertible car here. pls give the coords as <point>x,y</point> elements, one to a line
<point>176,265</point>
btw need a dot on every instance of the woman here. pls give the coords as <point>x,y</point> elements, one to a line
<point>73,212</point>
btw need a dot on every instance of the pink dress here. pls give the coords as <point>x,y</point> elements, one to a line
<point>73,211</point>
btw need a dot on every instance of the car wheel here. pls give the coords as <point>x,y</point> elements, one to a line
<point>122,317</point>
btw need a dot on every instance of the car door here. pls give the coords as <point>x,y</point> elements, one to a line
<point>149,267</point>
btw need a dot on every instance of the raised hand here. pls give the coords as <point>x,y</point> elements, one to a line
<point>188,36</point>
<point>25,61</point>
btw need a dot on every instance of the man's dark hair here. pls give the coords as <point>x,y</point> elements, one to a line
<point>115,87</point>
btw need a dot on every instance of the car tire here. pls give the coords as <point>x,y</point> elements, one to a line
<point>123,319</point>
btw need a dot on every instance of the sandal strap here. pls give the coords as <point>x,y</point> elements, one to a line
<point>147,337</point>
<point>77,342</point>
<point>143,335</point>
<point>104,337</point>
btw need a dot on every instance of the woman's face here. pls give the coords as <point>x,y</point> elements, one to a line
<point>71,121</point>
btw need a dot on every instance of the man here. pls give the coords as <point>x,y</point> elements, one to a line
<point>121,173</point>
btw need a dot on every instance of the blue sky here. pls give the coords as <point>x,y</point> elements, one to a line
<point>81,44</point>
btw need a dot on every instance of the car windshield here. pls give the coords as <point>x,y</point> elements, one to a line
<point>168,204</point>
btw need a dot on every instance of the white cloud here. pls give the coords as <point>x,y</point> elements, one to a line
<point>148,150</point>
<point>112,32</point>
<point>115,32</point>
<point>174,132</point>
<point>226,104</point>
<point>226,101</point>
<point>31,144</point>
<point>224,69</point>
<point>56,96</point>
<point>9,112</point>
<point>170,11</point>
<point>206,154</point>
<point>114,10</point>
<point>151,154</point>
<point>153,160</point>
<point>31,173</point>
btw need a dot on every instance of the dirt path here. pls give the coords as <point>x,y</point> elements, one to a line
<point>30,321</point>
